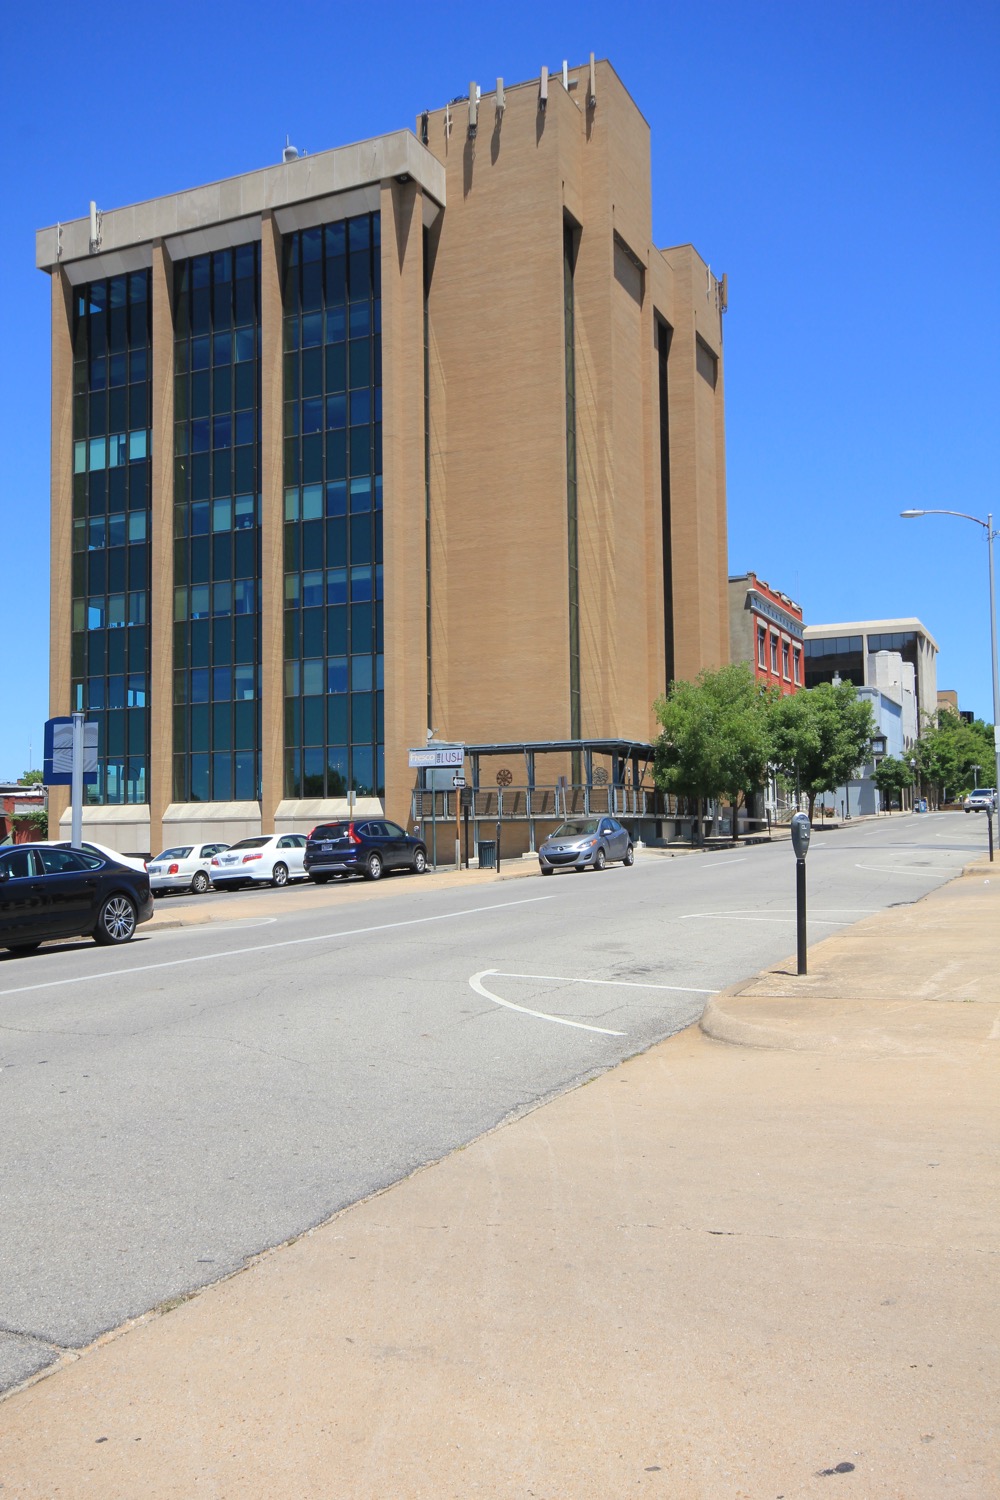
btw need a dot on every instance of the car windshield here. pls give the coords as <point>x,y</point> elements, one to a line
<point>176,853</point>
<point>251,843</point>
<point>576,828</point>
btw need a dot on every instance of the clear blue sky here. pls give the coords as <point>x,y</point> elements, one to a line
<point>838,161</point>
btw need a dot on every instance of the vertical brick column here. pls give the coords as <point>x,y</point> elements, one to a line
<point>272,527</point>
<point>404,536</point>
<point>61,501</point>
<point>161,603</point>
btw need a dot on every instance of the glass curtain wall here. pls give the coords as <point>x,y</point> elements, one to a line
<point>112,399</point>
<point>217,546</point>
<point>842,654</point>
<point>334,736</point>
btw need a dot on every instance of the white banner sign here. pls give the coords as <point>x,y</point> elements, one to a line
<point>437,755</point>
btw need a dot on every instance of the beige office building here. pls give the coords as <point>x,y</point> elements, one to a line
<point>422,433</point>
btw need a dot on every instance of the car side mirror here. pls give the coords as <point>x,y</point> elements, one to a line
<point>4,875</point>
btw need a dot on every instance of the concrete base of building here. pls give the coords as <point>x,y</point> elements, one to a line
<point>300,815</point>
<point>123,828</point>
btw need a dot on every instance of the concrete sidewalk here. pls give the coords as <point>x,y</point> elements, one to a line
<point>757,1261</point>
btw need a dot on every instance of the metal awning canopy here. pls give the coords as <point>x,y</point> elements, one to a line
<point>626,748</point>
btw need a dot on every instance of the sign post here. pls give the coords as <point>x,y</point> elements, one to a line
<point>76,793</point>
<point>801,830</point>
<point>432,759</point>
<point>466,796</point>
<point>70,759</point>
<point>458,782</point>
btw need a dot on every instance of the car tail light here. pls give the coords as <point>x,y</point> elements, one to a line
<point>352,835</point>
<point>174,870</point>
<point>248,857</point>
<point>215,861</point>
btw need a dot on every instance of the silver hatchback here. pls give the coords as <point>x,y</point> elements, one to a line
<point>580,842</point>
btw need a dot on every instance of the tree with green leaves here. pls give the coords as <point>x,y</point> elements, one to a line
<point>30,778</point>
<point>950,750</point>
<point>821,737</point>
<point>892,776</point>
<point>715,740</point>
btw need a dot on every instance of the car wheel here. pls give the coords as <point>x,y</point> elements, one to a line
<point>200,883</point>
<point>116,923</point>
<point>629,857</point>
<point>18,949</point>
<point>320,879</point>
<point>279,875</point>
<point>419,862</point>
<point>600,860</point>
<point>373,869</point>
<point>547,872</point>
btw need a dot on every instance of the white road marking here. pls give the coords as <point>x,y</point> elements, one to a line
<point>540,1015</point>
<point>631,984</point>
<point>321,937</point>
<point>788,916</point>
<point>902,870</point>
<point>238,924</point>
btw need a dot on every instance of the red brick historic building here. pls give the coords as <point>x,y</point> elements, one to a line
<point>765,629</point>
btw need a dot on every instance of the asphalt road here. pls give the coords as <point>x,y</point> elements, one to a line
<point>171,1108</point>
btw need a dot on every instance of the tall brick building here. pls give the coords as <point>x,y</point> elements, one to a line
<point>419,433</point>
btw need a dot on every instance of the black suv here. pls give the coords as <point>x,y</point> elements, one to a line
<point>370,847</point>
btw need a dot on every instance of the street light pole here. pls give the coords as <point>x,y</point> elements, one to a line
<point>987,526</point>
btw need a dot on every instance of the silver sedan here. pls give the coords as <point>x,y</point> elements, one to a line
<point>580,842</point>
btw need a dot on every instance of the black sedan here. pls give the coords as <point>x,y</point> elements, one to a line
<point>48,893</point>
<point>371,848</point>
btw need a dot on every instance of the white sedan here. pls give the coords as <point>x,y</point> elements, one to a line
<point>131,860</point>
<point>188,867</point>
<point>266,859</point>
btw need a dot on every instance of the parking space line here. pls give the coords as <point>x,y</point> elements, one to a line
<point>902,870</point>
<point>632,984</point>
<point>540,1015</point>
<point>788,916</point>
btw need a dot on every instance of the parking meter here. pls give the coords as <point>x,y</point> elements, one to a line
<point>801,832</point>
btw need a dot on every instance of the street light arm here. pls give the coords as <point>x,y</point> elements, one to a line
<point>909,515</point>
<point>991,535</point>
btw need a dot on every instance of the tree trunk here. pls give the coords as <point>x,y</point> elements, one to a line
<point>812,806</point>
<point>735,802</point>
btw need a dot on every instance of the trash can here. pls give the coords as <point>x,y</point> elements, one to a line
<point>922,804</point>
<point>487,851</point>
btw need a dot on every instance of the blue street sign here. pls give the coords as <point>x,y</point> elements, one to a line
<point>57,767</point>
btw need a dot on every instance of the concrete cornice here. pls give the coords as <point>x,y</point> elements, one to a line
<point>870,627</point>
<point>124,231</point>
